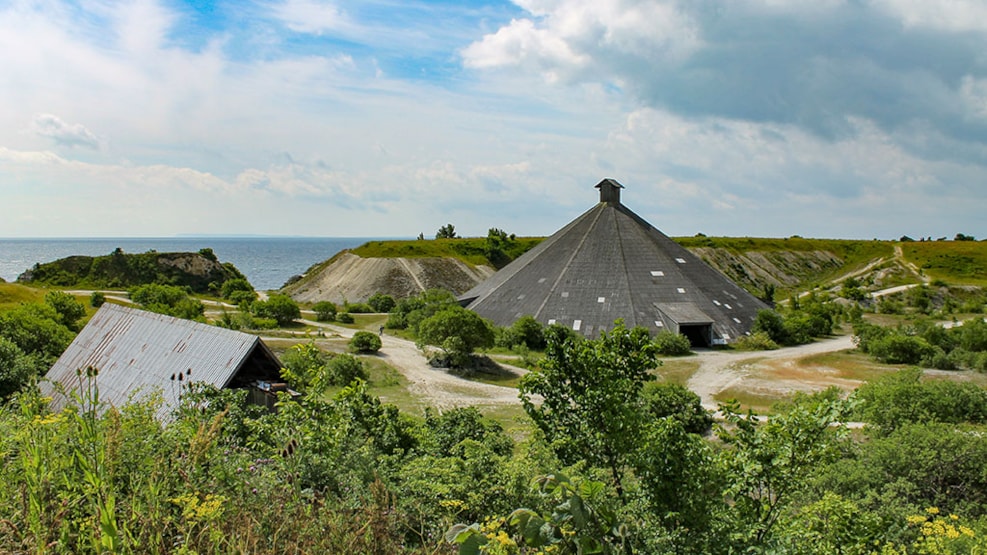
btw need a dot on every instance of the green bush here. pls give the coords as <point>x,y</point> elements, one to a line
<point>672,344</point>
<point>382,303</point>
<point>757,341</point>
<point>344,318</point>
<point>358,308</point>
<point>343,369</point>
<point>281,308</point>
<point>365,342</point>
<point>325,311</point>
<point>236,285</point>
<point>96,299</point>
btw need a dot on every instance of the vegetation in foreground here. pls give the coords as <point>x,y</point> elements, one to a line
<point>617,463</point>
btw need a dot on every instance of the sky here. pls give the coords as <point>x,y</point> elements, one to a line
<point>821,118</point>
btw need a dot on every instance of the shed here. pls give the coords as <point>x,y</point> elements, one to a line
<point>139,353</point>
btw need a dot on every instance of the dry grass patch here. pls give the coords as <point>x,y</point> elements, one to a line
<point>677,370</point>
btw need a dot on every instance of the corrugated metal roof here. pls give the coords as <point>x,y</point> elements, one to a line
<point>611,253</point>
<point>139,351</point>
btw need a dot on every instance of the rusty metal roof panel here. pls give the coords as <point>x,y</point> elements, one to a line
<point>139,352</point>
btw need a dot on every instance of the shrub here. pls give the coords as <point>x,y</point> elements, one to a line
<point>358,308</point>
<point>281,308</point>
<point>365,342</point>
<point>343,369</point>
<point>524,331</point>
<point>325,311</point>
<point>97,299</point>
<point>757,341</point>
<point>672,344</point>
<point>242,298</point>
<point>236,285</point>
<point>380,302</point>
<point>344,317</point>
<point>898,348</point>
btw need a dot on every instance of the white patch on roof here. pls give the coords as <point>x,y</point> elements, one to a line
<point>565,294</point>
<point>680,260</point>
<point>659,324</point>
<point>521,296</point>
<point>728,307</point>
<point>576,325</point>
<point>657,273</point>
<point>737,320</point>
<point>542,280</point>
<point>716,302</point>
<point>601,299</point>
<point>680,290</point>
<point>551,321</point>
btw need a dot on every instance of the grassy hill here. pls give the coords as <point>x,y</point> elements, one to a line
<point>200,271</point>
<point>786,264</point>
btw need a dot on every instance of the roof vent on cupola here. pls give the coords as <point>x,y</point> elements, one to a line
<point>609,264</point>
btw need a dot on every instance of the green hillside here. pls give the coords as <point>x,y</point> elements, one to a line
<point>200,271</point>
<point>956,262</point>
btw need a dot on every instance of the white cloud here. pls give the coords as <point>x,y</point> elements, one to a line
<point>64,134</point>
<point>312,16</point>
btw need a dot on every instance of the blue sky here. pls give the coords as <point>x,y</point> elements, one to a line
<point>824,118</point>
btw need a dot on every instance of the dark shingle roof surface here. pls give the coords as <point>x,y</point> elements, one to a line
<point>609,263</point>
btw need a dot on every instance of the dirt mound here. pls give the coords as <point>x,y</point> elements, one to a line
<point>349,277</point>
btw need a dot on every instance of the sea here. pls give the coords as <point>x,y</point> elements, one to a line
<point>267,262</point>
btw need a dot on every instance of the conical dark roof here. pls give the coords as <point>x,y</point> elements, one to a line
<point>607,264</point>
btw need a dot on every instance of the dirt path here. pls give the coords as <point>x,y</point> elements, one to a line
<point>433,386</point>
<point>721,370</point>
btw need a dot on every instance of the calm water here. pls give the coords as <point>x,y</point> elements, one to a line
<point>266,261</point>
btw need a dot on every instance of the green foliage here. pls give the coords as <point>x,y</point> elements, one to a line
<point>37,331</point>
<point>447,231</point>
<point>411,311</point>
<point>590,390</point>
<point>237,285</point>
<point>167,299</point>
<point>380,302</point>
<point>365,342</point>
<point>458,332</point>
<point>524,331</point>
<point>69,310</point>
<point>122,270</point>
<point>757,341</point>
<point>670,400</point>
<point>470,250</point>
<point>344,318</point>
<point>16,368</point>
<point>895,400</point>
<point>344,369</point>
<point>672,344</point>
<point>281,308</point>
<point>325,311</point>
<point>96,299</point>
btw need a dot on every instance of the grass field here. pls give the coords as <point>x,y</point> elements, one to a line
<point>955,262</point>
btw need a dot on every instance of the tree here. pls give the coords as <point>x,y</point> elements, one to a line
<point>281,308</point>
<point>458,332</point>
<point>325,311</point>
<point>36,330</point>
<point>234,285</point>
<point>381,302</point>
<point>524,331</point>
<point>447,231</point>
<point>591,408</point>
<point>167,299</point>
<point>365,342</point>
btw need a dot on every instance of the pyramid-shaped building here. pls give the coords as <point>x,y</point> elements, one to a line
<point>611,264</point>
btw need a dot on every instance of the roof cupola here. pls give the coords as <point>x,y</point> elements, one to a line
<point>609,190</point>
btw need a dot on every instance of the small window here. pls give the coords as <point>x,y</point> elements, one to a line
<point>657,273</point>
<point>576,325</point>
<point>601,299</point>
<point>680,290</point>
<point>565,294</point>
<point>551,321</point>
<point>736,320</point>
<point>680,260</point>
<point>520,297</point>
<point>659,324</point>
<point>728,307</point>
<point>542,280</point>
<point>716,302</point>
